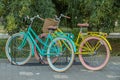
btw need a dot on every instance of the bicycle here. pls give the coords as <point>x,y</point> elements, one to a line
<point>20,47</point>
<point>90,46</point>
<point>48,22</point>
<point>94,49</point>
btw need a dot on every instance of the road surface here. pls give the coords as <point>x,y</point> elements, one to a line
<point>35,71</point>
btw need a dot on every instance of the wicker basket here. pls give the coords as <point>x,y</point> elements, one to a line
<point>49,22</point>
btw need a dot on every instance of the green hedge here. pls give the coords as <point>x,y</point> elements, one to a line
<point>115,43</point>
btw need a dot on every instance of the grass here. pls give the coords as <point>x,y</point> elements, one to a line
<point>117,29</point>
<point>2,29</point>
<point>115,43</point>
<point>2,48</point>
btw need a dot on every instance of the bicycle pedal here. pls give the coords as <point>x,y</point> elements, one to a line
<point>41,61</point>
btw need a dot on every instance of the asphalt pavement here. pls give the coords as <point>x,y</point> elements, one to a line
<point>35,71</point>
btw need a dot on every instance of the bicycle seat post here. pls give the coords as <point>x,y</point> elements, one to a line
<point>81,30</point>
<point>50,31</point>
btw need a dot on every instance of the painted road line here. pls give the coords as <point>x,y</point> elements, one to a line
<point>112,76</point>
<point>60,76</point>
<point>116,63</point>
<point>84,70</point>
<point>23,73</point>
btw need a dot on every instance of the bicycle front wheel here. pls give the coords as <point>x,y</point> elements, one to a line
<point>65,54</point>
<point>94,53</point>
<point>18,55</point>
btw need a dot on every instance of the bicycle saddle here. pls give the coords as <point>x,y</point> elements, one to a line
<point>52,28</point>
<point>83,25</point>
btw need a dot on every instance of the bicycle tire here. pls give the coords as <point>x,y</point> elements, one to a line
<point>61,52</point>
<point>38,57</point>
<point>15,55</point>
<point>96,59</point>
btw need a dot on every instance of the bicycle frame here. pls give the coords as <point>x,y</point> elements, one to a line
<point>64,34</point>
<point>29,35</point>
<point>82,37</point>
<point>102,36</point>
<point>96,34</point>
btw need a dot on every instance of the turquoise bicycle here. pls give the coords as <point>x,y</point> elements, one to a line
<point>20,47</point>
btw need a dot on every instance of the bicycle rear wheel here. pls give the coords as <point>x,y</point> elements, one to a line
<point>94,53</point>
<point>18,55</point>
<point>65,54</point>
<point>42,59</point>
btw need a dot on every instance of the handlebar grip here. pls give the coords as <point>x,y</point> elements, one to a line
<point>67,17</point>
<point>42,19</point>
<point>24,19</point>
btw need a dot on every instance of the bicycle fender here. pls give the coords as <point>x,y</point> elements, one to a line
<point>73,44</point>
<point>105,41</point>
<point>31,43</point>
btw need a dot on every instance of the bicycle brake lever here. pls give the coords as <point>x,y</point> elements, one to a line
<point>27,17</point>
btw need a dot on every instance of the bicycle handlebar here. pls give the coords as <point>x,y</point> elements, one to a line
<point>32,18</point>
<point>64,16</point>
<point>61,15</point>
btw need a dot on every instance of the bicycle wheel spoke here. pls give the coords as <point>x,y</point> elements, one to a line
<point>64,51</point>
<point>15,54</point>
<point>97,46</point>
